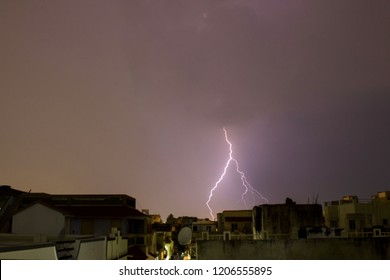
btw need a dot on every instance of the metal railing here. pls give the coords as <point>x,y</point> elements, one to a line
<point>367,234</point>
<point>228,237</point>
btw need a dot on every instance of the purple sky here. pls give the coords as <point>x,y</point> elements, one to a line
<point>131,97</point>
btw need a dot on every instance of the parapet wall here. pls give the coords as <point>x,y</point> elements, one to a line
<point>300,249</point>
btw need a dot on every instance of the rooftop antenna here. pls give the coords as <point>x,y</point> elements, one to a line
<point>315,202</point>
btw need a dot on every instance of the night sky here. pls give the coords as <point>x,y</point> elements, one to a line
<point>132,96</point>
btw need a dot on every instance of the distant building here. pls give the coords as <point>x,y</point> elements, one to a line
<point>204,225</point>
<point>180,222</point>
<point>185,221</point>
<point>156,218</point>
<point>235,221</point>
<point>202,228</point>
<point>285,221</point>
<point>360,218</point>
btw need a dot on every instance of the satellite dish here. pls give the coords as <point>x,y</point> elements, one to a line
<point>185,235</point>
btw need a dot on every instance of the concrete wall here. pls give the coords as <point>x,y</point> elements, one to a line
<point>87,248</point>
<point>38,219</point>
<point>32,252</point>
<point>93,249</point>
<point>117,248</point>
<point>301,249</point>
<point>282,221</point>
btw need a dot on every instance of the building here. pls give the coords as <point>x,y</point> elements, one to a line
<point>156,218</point>
<point>77,220</point>
<point>285,221</point>
<point>13,201</point>
<point>204,225</point>
<point>202,229</point>
<point>359,218</point>
<point>39,219</point>
<point>81,214</point>
<point>71,214</point>
<point>235,222</point>
<point>9,202</point>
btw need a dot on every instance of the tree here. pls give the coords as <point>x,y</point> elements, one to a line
<point>170,219</point>
<point>289,201</point>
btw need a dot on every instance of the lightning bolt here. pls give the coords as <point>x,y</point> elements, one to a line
<point>245,184</point>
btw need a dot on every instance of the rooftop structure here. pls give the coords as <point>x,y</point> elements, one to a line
<point>360,218</point>
<point>285,221</point>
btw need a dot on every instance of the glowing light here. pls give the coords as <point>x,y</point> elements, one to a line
<point>245,184</point>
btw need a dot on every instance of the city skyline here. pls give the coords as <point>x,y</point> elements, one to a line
<point>132,97</point>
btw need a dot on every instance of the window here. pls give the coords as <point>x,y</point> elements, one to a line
<point>234,227</point>
<point>352,225</point>
<point>385,222</point>
<point>136,226</point>
<point>333,223</point>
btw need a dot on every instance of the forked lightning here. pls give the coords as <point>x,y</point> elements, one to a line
<point>246,185</point>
